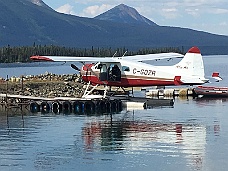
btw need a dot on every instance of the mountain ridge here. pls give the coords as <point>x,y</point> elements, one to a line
<point>125,14</point>
<point>26,22</point>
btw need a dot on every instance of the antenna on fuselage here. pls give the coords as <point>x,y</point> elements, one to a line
<point>124,53</point>
<point>114,54</point>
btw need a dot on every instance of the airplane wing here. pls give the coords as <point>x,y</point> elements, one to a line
<point>150,57</point>
<point>147,57</point>
<point>71,59</point>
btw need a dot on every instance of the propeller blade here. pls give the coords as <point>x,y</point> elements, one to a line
<point>75,67</point>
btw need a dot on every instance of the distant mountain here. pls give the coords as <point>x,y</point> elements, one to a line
<point>125,14</point>
<point>25,22</point>
<point>40,3</point>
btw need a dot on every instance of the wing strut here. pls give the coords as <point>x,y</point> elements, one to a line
<point>87,92</point>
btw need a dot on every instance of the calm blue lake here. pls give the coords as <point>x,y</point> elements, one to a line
<point>191,135</point>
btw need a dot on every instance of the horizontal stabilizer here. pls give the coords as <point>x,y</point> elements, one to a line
<point>216,76</point>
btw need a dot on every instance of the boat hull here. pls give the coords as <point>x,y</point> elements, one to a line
<point>211,91</point>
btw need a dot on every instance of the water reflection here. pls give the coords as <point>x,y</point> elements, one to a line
<point>127,140</point>
<point>207,101</point>
<point>136,137</point>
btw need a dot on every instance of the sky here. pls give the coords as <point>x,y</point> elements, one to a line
<point>203,15</point>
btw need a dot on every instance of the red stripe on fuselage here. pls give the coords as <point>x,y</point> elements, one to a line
<point>126,82</point>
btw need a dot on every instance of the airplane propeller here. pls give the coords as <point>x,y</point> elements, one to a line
<point>75,67</point>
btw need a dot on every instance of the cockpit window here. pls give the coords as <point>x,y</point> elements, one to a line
<point>97,65</point>
<point>125,68</point>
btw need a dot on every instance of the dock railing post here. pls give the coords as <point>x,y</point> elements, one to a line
<point>22,85</point>
<point>6,100</point>
<point>22,91</point>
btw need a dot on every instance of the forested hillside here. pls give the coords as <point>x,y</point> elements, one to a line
<point>22,54</point>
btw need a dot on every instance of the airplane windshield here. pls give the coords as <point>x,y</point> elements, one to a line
<point>104,68</point>
<point>96,65</point>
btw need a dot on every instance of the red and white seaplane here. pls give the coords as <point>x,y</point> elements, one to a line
<point>130,71</point>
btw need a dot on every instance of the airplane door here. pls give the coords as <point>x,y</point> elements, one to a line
<point>103,72</point>
<point>115,73</point>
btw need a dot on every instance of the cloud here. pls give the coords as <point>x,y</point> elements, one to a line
<point>66,9</point>
<point>169,13</point>
<point>223,24</point>
<point>194,11</point>
<point>166,11</point>
<point>220,11</point>
<point>95,10</point>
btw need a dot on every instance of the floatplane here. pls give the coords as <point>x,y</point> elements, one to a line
<point>132,71</point>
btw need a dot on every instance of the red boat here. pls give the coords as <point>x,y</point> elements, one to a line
<point>212,91</point>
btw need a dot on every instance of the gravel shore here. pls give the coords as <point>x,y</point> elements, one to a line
<point>44,85</point>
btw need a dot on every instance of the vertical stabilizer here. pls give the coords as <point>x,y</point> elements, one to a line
<point>192,63</point>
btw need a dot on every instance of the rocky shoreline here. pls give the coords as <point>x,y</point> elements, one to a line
<point>44,85</point>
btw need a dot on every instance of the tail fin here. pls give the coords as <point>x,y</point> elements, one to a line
<point>192,63</point>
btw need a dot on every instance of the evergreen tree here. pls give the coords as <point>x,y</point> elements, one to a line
<point>23,53</point>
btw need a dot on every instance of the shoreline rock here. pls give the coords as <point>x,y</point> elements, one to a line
<point>44,85</point>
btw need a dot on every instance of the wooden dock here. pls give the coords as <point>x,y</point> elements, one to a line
<point>62,104</point>
<point>80,105</point>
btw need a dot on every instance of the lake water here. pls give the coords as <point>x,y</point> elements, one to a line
<point>191,135</point>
